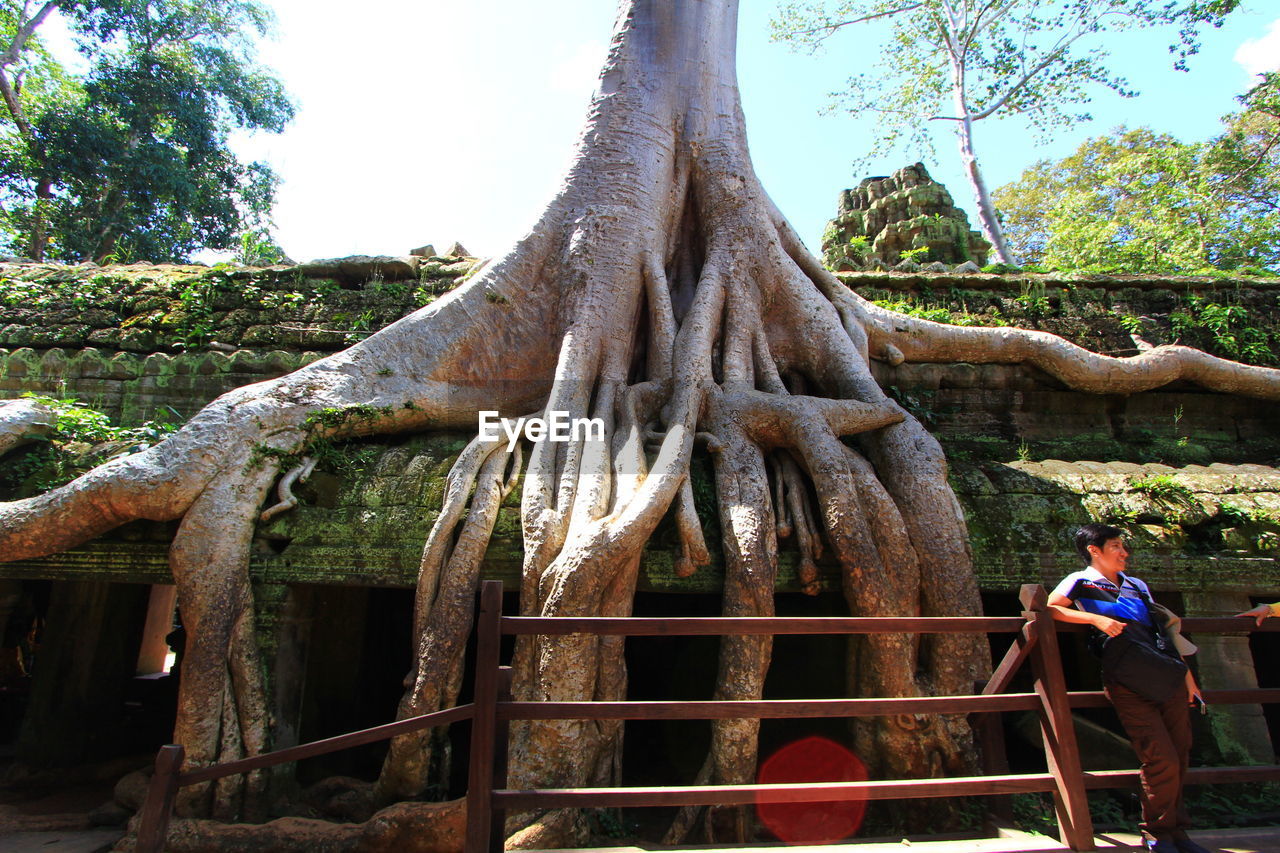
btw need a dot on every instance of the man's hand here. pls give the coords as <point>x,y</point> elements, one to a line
<point>1107,625</point>
<point>1193,690</point>
<point>1259,613</point>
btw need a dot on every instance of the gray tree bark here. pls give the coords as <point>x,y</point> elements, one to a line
<point>662,292</point>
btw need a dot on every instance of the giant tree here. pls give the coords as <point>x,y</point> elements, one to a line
<point>958,62</point>
<point>662,292</point>
<point>130,159</point>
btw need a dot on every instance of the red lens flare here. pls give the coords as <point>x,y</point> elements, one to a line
<point>812,759</point>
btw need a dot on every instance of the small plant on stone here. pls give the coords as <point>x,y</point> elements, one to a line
<point>859,247</point>
<point>1239,515</point>
<point>1032,298</point>
<point>917,255</point>
<point>392,289</point>
<point>1130,323</point>
<point>361,327</point>
<point>1163,488</point>
<point>1120,513</point>
<point>73,447</point>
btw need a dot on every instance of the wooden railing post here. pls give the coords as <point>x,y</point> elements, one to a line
<point>484,723</point>
<point>501,732</point>
<point>153,822</point>
<point>1075,826</point>
<point>989,728</point>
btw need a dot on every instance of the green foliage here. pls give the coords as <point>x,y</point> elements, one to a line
<point>1130,323</point>
<point>611,823</point>
<point>131,161</point>
<point>259,249</point>
<point>1238,515</point>
<point>77,444</point>
<point>1163,488</point>
<point>1031,298</point>
<point>1234,804</point>
<point>1019,57</point>
<point>1141,202</point>
<point>918,254</point>
<point>1223,329</point>
<point>1120,513</point>
<point>934,313</point>
<point>337,418</point>
<point>1034,813</point>
<point>337,456</point>
<point>1001,269</point>
<point>952,63</point>
<point>79,423</point>
<point>98,291</point>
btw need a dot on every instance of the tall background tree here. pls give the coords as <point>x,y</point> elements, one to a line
<point>130,159</point>
<point>959,62</point>
<point>1138,201</point>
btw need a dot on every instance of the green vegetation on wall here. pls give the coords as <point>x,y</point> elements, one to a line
<point>82,438</point>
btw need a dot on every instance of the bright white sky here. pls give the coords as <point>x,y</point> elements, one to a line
<point>430,121</point>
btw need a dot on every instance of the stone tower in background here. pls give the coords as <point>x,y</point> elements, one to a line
<point>884,217</point>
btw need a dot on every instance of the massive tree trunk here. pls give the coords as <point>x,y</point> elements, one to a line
<point>662,293</point>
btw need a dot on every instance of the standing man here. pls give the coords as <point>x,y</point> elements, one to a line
<point>1103,597</point>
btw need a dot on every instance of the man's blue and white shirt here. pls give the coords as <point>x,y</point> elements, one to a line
<point>1090,591</point>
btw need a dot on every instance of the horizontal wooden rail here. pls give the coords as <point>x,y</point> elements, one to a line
<point>818,792</point>
<point>1243,696</point>
<point>703,626</point>
<point>765,709</point>
<point>1195,776</point>
<point>775,709</point>
<point>1199,625</point>
<point>322,747</point>
<point>1227,625</point>
<point>812,792</point>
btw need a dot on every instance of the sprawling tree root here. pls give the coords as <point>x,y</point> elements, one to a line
<point>663,294</point>
<point>403,827</point>
<point>23,421</point>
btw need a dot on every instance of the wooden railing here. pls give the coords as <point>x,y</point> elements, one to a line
<point>1035,641</point>
<point>153,818</point>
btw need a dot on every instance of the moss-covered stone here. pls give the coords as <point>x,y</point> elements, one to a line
<point>1014,435</point>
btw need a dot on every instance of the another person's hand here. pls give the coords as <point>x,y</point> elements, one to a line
<point>1259,613</point>
<point>1107,625</point>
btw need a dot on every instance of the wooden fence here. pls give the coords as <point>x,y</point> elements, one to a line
<point>1035,641</point>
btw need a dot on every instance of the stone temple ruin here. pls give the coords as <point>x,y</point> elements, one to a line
<point>883,218</point>
<point>86,633</point>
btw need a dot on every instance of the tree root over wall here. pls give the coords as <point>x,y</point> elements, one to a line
<point>662,293</point>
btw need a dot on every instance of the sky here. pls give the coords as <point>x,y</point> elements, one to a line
<point>434,121</point>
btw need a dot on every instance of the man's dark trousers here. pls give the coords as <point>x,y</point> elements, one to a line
<point>1161,736</point>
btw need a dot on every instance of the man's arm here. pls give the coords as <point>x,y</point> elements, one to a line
<point>1060,607</point>
<point>1262,612</point>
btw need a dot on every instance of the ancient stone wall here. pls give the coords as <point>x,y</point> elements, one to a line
<point>131,339</point>
<point>1191,475</point>
<point>364,525</point>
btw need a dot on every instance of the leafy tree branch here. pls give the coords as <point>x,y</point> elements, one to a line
<point>964,61</point>
<point>130,160</point>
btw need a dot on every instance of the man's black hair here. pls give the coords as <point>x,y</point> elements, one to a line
<point>1094,534</point>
